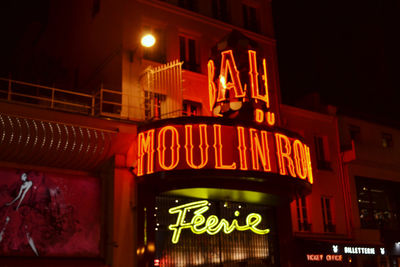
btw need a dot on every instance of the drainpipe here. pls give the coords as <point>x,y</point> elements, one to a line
<point>345,185</point>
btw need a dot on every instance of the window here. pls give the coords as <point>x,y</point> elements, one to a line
<point>326,205</point>
<point>302,216</point>
<point>378,203</point>
<point>387,140</point>
<point>158,51</point>
<point>220,10</point>
<point>188,4</point>
<point>188,53</point>
<point>191,108</point>
<point>95,8</point>
<point>152,105</point>
<point>250,18</point>
<point>322,153</point>
<point>355,133</point>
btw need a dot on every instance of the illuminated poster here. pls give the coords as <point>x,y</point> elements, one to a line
<point>50,215</point>
<point>193,232</point>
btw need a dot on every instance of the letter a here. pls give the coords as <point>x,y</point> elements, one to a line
<point>228,64</point>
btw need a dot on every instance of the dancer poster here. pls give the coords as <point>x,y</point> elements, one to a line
<point>48,214</point>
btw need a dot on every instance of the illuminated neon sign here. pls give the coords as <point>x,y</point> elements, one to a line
<point>222,147</point>
<point>359,250</point>
<point>212,225</point>
<point>322,257</point>
<point>228,87</point>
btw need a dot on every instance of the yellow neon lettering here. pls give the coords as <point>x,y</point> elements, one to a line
<point>212,225</point>
<point>174,147</point>
<point>146,145</point>
<point>203,146</point>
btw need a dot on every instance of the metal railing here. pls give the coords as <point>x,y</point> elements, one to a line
<point>51,97</point>
<point>106,102</point>
<point>109,103</point>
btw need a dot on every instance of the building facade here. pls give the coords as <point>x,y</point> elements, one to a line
<point>370,164</point>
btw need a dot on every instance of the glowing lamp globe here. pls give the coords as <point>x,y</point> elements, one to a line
<point>148,40</point>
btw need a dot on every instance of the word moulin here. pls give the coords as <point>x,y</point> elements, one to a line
<point>212,225</point>
<point>216,146</point>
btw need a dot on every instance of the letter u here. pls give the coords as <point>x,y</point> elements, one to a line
<point>203,146</point>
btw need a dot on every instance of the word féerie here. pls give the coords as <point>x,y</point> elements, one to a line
<point>212,225</point>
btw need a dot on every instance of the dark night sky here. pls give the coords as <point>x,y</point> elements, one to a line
<point>347,51</point>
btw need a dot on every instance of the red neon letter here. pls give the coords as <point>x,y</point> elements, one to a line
<point>174,147</point>
<point>265,97</point>
<point>242,148</point>
<point>310,175</point>
<point>259,115</point>
<point>212,90</point>
<point>255,90</point>
<point>228,64</point>
<point>283,153</point>
<point>146,145</point>
<point>203,146</point>
<point>218,150</point>
<point>300,159</point>
<point>270,118</point>
<point>259,150</point>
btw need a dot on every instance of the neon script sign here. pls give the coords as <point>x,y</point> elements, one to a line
<point>229,88</point>
<point>212,225</point>
<point>222,147</point>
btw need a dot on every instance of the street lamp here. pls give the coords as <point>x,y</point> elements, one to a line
<point>148,40</point>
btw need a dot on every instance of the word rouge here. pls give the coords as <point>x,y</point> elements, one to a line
<point>222,147</point>
<point>212,225</point>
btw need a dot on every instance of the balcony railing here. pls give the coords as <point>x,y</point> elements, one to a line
<point>45,96</point>
<point>105,103</point>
